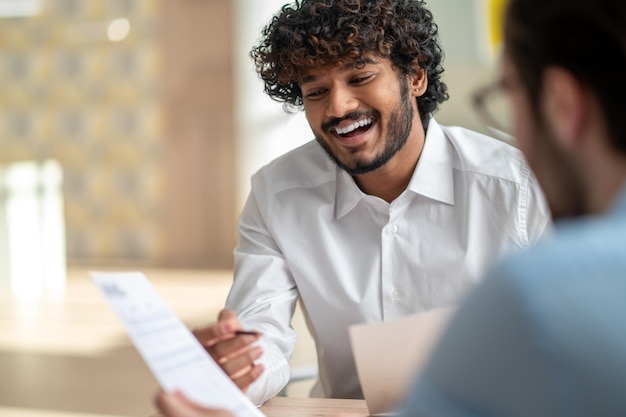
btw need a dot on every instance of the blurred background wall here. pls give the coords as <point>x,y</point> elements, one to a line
<point>154,114</point>
<point>70,91</point>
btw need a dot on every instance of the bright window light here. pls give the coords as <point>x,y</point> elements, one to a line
<point>118,30</point>
<point>19,8</point>
<point>34,227</point>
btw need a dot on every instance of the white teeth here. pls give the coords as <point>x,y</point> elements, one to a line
<point>353,126</point>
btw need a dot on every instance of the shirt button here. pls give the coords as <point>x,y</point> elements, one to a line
<point>393,229</point>
<point>395,295</point>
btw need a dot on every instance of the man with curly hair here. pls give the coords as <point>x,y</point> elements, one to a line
<point>386,213</point>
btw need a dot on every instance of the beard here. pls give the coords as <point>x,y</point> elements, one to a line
<point>399,126</point>
<point>558,176</point>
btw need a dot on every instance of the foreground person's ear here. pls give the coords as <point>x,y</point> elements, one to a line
<point>565,105</point>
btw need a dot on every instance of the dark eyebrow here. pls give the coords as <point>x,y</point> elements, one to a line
<point>359,63</point>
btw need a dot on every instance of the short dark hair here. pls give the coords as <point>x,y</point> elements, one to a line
<point>311,33</point>
<point>586,38</point>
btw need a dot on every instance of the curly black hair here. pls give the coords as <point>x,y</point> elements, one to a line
<point>318,33</point>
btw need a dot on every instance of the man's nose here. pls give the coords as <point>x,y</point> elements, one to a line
<point>341,101</point>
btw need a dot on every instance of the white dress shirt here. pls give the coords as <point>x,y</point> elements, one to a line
<point>308,231</point>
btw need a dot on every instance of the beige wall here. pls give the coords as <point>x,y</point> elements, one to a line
<point>68,93</point>
<point>199,147</point>
<point>142,127</point>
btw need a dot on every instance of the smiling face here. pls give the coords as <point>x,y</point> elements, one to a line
<point>362,113</point>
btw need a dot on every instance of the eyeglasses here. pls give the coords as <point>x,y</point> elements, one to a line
<point>493,105</point>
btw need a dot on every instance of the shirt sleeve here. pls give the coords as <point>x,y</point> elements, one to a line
<point>264,295</point>
<point>537,214</point>
<point>488,362</point>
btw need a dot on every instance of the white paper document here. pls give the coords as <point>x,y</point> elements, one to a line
<point>389,354</point>
<point>171,351</point>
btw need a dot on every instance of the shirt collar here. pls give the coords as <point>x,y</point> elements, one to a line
<point>432,178</point>
<point>348,194</point>
<point>619,206</point>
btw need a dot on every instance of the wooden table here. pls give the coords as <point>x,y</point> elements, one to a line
<point>312,407</point>
<point>309,407</point>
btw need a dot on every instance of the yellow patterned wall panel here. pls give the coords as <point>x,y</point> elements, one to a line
<point>42,126</point>
<point>15,97</point>
<point>69,93</point>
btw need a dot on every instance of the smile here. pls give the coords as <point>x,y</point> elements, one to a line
<point>346,130</point>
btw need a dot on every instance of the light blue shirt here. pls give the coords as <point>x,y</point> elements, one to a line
<point>543,335</point>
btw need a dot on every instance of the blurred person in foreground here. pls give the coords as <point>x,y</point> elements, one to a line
<point>386,213</point>
<point>543,334</point>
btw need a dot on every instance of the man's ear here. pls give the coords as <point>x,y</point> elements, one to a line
<point>565,105</point>
<point>418,81</point>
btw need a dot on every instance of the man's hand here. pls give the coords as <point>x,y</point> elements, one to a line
<point>177,405</point>
<point>234,353</point>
